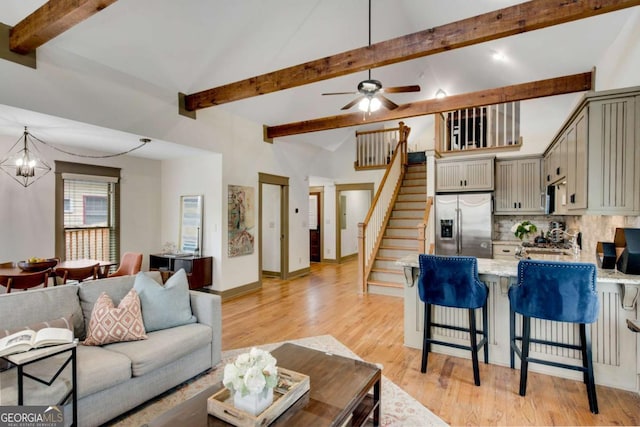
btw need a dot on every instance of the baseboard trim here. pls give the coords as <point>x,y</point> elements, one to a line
<point>299,273</point>
<point>235,292</point>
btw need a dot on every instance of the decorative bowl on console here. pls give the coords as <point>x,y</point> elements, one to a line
<point>37,265</point>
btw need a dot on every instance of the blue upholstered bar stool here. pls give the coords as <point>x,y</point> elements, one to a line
<point>452,281</point>
<point>560,292</point>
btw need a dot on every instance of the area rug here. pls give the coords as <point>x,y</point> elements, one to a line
<point>398,408</point>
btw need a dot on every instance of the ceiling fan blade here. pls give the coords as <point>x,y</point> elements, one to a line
<point>352,103</point>
<point>389,104</point>
<point>398,89</point>
<point>340,93</point>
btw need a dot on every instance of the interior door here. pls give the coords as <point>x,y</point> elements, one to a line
<point>314,227</point>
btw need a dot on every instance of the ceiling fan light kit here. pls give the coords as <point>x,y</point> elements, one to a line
<point>369,104</point>
<point>370,91</point>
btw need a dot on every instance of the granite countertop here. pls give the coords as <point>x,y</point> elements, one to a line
<point>509,268</point>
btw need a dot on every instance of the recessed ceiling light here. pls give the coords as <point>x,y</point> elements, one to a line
<point>441,94</point>
<point>498,56</point>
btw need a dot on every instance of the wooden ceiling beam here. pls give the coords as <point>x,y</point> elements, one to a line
<point>50,20</point>
<point>519,92</point>
<point>520,18</point>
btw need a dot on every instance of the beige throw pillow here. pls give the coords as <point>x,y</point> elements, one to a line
<point>111,324</point>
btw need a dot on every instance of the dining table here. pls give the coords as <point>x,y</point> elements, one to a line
<point>103,267</point>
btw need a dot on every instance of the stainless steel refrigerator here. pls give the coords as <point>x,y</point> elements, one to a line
<point>463,224</point>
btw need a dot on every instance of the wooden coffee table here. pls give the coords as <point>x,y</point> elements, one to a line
<point>340,392</point>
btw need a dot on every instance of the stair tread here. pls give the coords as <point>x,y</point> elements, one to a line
<point>386,258</point>
<point>386,270</point>
<point>387,284</point>
<point>407,248</point>
<point>399,237</point>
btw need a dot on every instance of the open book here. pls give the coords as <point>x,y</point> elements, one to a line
<point>28,339</point>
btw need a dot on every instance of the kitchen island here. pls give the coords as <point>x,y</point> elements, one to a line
<point>616,349</point>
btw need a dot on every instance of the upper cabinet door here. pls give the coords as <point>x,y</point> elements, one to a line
<point>519,186</point>
<point>613,156</point>
<point>464,175</point>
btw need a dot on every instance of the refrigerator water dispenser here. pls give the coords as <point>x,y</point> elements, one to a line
<point>446,228</point>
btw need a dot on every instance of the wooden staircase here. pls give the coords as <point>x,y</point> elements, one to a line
<point>401,233</point>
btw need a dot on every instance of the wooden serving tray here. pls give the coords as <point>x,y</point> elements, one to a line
<point>291,386</point>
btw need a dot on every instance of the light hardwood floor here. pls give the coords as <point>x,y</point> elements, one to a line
<point>328,302</point>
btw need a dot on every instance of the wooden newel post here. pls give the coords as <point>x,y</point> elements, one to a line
<point>361,256</point>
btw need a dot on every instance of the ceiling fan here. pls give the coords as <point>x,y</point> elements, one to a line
<point>370,91</point>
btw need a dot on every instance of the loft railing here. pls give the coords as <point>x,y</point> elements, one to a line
<point>482,128</point>
<point>375,148</point>
<point>370,231</point>
<point>92,243</point>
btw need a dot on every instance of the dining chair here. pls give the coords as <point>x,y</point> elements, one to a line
<point>25,281</point>
<point>79,274</point>
<point>130,264</point>
<point>452,281</point>
<point>556,291</point>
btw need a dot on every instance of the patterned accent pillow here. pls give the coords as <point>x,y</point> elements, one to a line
<point>65,322</point>
<point>111,324</point>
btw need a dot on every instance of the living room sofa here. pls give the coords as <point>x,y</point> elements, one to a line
<point>117,377</point>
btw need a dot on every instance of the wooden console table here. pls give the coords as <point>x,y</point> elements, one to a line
<point>199,269</point>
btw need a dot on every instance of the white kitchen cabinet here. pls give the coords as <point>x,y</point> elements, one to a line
<point>505,250</point>
<point>464,175</point>
<point>519,186</point>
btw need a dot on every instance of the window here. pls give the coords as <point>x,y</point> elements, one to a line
<point>87,212</point>
<point>95,210</point>
<point>67,205</point>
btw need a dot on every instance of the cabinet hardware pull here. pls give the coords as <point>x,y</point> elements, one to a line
<point>506,250</point>
<point>557,171</point>
<point>460,183</point>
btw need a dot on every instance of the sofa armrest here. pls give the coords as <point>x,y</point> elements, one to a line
<point>208,310</point>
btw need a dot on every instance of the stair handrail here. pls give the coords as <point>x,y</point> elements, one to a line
<point>370,231</point>
<point>424,229</point>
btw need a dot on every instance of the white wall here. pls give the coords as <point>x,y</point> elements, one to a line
<point>619,67</point>
<point>67,86</point>
<point>27,214</point>
<point>200,175</point>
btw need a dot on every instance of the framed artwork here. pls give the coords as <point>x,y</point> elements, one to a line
<point>191,224</point>
<point>240,220</point>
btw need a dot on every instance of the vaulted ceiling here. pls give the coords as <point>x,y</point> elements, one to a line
<point>193,45</point>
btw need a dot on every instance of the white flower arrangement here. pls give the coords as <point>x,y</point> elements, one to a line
<point>524,228</point>
<point>251,373</point>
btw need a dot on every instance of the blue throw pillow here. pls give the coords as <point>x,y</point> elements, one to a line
<point>164,306</point>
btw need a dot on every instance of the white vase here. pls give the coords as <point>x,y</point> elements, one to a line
<point>253,403</point>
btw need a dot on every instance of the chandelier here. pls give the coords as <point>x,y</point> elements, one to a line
<point>23,162</point>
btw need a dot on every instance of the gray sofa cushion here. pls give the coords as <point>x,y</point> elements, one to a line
<point>34,393</point>
<point>99,369</point>
<point>163,347</point>
<point>35,305</point>
<point>116,287</point>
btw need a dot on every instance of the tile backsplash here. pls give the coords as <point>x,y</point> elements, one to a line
<point>594,228</point>
<point>502,224</point>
